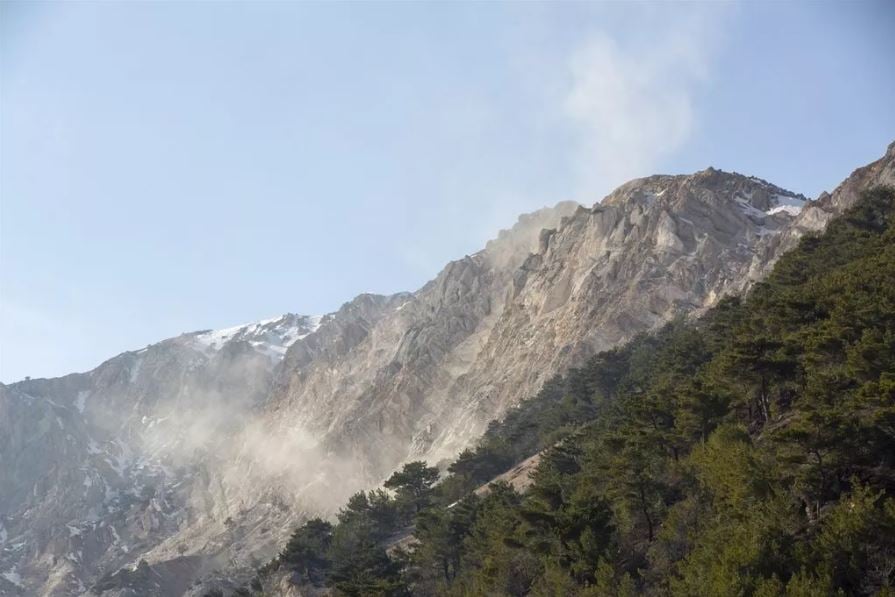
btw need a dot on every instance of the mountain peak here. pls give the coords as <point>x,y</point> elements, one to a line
<point>271,336</point>
<point>714,187</point>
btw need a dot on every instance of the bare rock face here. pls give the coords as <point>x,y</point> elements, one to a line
<point>430,372</point>
<point>369,384</point>
<point>194,457</point>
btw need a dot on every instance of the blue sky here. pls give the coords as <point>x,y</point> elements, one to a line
<point>166,167</point>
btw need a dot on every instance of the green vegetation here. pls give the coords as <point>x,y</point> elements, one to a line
<point>751,452</point>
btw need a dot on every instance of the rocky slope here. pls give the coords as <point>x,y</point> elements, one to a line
<point>98,468</point>
<point>193,457</point>
<point>423,377</point>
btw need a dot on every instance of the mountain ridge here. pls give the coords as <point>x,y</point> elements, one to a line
<point>176,446</point>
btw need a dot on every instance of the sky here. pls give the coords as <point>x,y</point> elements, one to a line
<point>175,166</point>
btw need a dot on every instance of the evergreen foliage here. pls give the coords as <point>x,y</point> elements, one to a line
<point>751,452</point>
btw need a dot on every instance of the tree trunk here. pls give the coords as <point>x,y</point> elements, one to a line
<point>645,510</point>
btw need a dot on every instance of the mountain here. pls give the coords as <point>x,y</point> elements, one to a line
<point>423,378</point>
<point>747,451</point>
<point>199,453</point>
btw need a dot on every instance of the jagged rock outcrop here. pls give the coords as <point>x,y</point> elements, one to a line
<point>193,457</point>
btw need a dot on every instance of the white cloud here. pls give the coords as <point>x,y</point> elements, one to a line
<point>633,106</point>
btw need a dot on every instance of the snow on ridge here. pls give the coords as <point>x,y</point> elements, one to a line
<point>792,210</point>
<point>270,336</point>
<point>789,204</point>
<point>216,338</point>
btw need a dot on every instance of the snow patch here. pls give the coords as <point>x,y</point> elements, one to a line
<point>787,209</point>
<point>271,337</point>
<point>217,338</point>
<point>786,204</point>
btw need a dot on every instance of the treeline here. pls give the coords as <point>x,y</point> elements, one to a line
<point>749,453</point>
